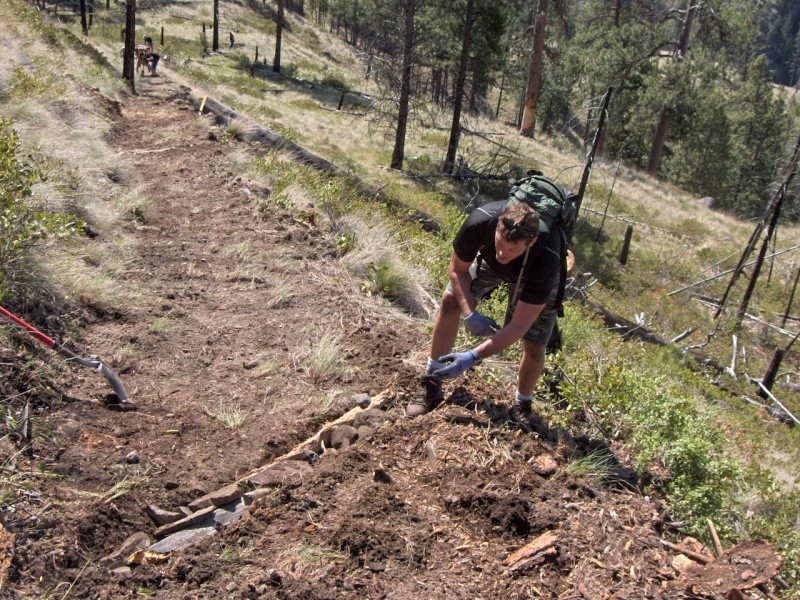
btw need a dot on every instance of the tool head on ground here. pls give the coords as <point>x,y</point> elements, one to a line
<point>100,367</point>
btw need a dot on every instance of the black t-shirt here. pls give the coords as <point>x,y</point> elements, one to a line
<point>544,261</point>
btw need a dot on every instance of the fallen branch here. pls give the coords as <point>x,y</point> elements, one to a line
<point>695,556</point>
<point>775,400</point>
<point>717,276</point>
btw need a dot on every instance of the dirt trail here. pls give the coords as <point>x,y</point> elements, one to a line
<point>227,302</point>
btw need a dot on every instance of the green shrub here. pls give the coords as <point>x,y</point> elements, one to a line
<point>336,81</point>
<point>22,225</point>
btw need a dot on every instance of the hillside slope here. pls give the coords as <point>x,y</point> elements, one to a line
<point>232,343</point>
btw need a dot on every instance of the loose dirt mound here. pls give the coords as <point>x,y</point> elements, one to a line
<point>227,304</point>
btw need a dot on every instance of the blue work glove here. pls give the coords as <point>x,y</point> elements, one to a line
<point>457,363</point>
<point>480,324</point>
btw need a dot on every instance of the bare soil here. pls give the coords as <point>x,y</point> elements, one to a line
<point>227,302</point>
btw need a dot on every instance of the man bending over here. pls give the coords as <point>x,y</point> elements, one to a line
<point>497,244</point>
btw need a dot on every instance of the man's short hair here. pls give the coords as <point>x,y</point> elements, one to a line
<point>518,222</point>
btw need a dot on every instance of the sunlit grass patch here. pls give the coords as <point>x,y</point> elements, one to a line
<point>240,250</point>
<point>279,296</point>
<point>231,415</point>
<point>161,324</point>
<point>122,488</point>
<point>267,367</point>
<point>325,358</point>
<point>308,561</point>
<point>375,257</point>
<point>596,465</point>
<point>134,206</point>
<point>236,553</point>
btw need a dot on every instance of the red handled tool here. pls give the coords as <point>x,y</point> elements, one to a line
<point>100,367</point>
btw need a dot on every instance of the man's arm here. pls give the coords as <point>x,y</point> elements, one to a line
<point>524,316</point>
<point>461,282</point>
<point>456,363</point>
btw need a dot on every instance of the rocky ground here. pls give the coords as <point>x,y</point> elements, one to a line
<point>229,298</point>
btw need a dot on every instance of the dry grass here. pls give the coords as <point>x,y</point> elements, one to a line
<point>377,258</point>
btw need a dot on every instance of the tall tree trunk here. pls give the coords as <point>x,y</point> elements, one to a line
<point>617,11</point>
<point>276,63</point>
<point>455,129</point>
<point>128,67</point>
<point>657,149</point>
<point>587,169</point>
<point>535,70</point>
<point>762,223</point>
<point>686,29</point>
<point>751,285</point>
<point>215,37</point>
<point>405,85</point>
<point>500,94</point>
<point>84,25</point>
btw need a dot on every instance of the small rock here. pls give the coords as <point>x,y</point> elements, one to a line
<point>171,485</point>
<point>708,202</point>
<point>361,400</point>
<point>217,498</point>
<point>284,473</point>
<point>311,456</point>
<point>124,572</point>
<point>682,563</point>
<point>364,431</point>
<point>132,458</point>
<point>161,516</point>
<point>342,436</point>
<point>544,465</point>
<point>382,476</point>
<point>372,417</point>
<point>132,543</point>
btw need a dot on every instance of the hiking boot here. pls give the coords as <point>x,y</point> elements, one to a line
<point>521,413</point>
<point>429,395</point>
<point>523,407</point>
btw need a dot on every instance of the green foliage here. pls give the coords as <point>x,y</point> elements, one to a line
<point>345,242</point>
<point>37,81</point>
<point>386,280</point>
<point>641,394</point>
<point>21,224</point>
<point>336,81</point>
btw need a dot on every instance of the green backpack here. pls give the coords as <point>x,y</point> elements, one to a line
<point>556,210</point>
<point>553,203</point>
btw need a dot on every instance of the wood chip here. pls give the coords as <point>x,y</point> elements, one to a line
<point>541,543</point>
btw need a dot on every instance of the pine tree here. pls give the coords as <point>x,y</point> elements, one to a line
<point>760,128</point>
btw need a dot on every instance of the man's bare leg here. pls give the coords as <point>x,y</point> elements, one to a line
<point>530,367</point>
<point>445,326</point>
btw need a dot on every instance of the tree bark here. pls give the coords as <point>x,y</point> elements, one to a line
<point>84,25</point>
<point>458,93</point>
<point>598,135</point>
<point>657,149</point>
<point>215,36</point>
<point>276,63</point>
<point>128,67</point>
<point>773,223</point>
<point>751,244</point>
<point>535,70</point>
<point>688,17</point>
<point>405,86</point>
<point>791,299</point>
